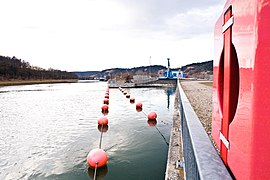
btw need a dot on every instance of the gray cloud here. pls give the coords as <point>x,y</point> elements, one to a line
<point>182,18</point>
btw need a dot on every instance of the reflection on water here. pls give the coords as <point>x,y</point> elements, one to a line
<point>152,122</point>
<point>169,92</point>
<point>103,128</point>
<point>47,131</point>
<point>101,172</point>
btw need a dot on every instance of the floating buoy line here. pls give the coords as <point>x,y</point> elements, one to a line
<point>98,158</point>
<point>152,116</point>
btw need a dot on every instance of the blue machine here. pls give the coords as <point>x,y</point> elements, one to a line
<point>170,74</point>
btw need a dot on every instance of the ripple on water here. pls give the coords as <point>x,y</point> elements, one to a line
<point>47,131</point>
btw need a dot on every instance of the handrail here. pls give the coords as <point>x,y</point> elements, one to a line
<point>201,160</point>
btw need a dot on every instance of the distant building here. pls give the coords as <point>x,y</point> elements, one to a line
<point>172,74</point>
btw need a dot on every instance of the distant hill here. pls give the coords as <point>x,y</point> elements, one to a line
<point>199,67</point>
<point>203,70</point>
<point>86,74</point>
<point>14,68</point>
<point>115,73</point>
<point>17,69</point>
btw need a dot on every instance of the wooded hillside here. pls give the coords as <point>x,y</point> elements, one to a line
<point>121,72</point>
<point>17,69</point>
<point>202,70</point>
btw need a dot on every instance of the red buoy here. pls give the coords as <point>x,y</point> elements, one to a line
<point>127,95</point>
<point>97,157</point>
<point>125,92</point>
<point>103,121</point>
<point>106,101</point>
<point>139,105</point>
<point>105,108</point>
<point>132,100</point>
<point>106,96</point>
<point>152,116</point>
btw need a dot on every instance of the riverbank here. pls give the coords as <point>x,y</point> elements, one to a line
<point>29,82</point>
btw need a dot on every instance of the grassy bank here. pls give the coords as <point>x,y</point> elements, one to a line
<point>28,82</point>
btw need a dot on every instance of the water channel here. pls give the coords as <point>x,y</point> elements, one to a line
<point>47,131</point>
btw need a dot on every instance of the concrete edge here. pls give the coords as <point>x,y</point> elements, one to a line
<point>175,146</point>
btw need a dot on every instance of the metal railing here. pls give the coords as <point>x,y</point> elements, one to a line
<point>201,160</point>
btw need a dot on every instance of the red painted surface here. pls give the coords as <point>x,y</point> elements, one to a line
<point>241,99</point>
<point>227,78</point>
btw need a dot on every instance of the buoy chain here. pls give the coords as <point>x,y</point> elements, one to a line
<point>144,113</point>
<point>100,140</point>
<point>98,157</point>
<point>150,116</point>
<point>95,174</point>
<point>162,136</point>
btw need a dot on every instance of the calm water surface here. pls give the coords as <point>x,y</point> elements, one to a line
<point>47,131</point>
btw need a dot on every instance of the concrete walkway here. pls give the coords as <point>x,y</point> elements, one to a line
<point>175,146</point>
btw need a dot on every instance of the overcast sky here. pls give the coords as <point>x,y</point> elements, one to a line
<point>99,34</point>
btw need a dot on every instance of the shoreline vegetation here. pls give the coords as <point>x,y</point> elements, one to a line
<point>14,71</point>
<point>30,82</point>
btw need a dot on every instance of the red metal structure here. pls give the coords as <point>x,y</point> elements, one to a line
<point>241,99</point>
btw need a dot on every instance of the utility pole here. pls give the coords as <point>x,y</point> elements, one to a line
<point>150,66</point>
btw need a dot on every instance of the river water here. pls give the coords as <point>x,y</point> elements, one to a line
<point>47,131</point>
